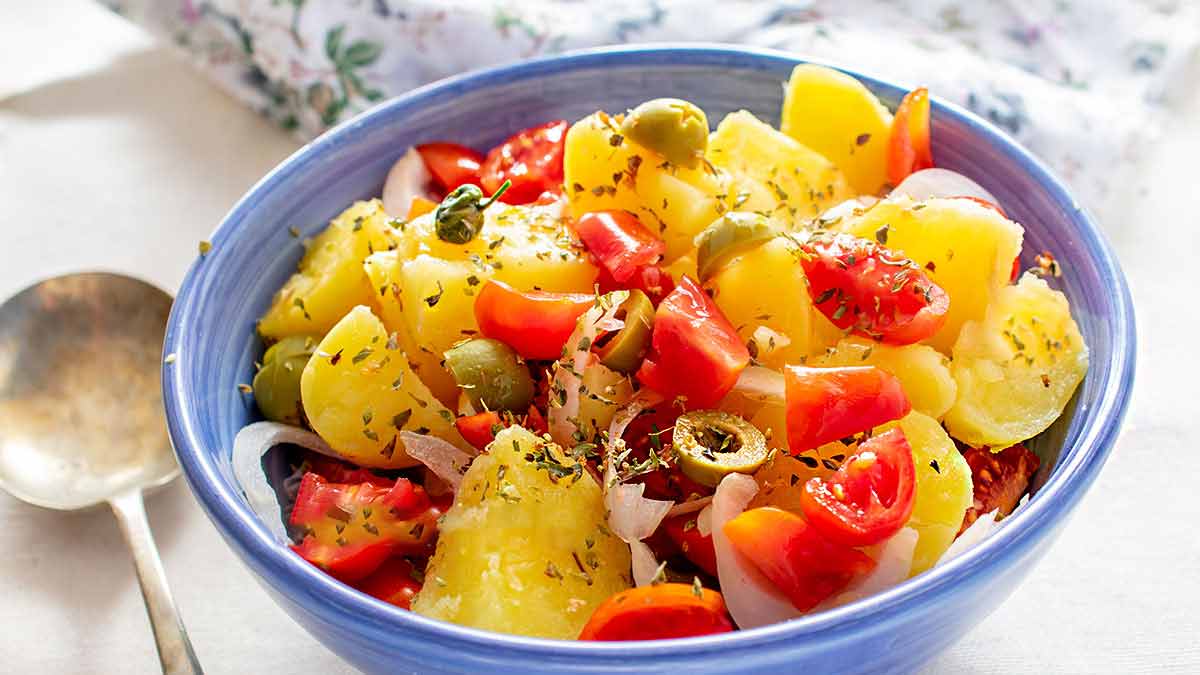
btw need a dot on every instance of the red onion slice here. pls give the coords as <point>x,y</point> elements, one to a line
<point>599,317</point>
<point>407,178</point>
<point>645,565</point>
<point>443,459</point>
<point>893,562</point>
<point>683,508</point>
<point>930,183</point>
<point>762,384</point>
<point>981,529</point>
<point>249,446</point>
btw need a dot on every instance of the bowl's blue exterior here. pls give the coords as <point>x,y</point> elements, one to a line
<point>212,334</point>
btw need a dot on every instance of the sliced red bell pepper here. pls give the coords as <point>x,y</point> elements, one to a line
<point>532,159</point>
<point>695,352</point>
<point>658,612</point>
<point>828,404</point>
<point>908,144</point>
<point>619,242</point>
<point>534,323</point>
<point>869,498</point>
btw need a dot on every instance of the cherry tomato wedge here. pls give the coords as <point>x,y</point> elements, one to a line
<point>828,404</point>
<point>694,350</point>
<point>792,554</point>
<point>861,285</point>
<point>869,498</point>
<point>534,323</point>
<point>619,241</point>
<point>695,547</point>
<point>394,582</point>
<point>451,164</point>
<point>908,145</point>
<point>480,429</point>
<point>999,479</point>
<point>658,612</point>
<point>532,159</point>
<point>650,279</point>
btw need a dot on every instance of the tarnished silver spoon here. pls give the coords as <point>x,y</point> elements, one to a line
<point>81,417</point>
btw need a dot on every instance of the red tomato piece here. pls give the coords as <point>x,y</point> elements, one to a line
<point>999,478</point>
<point>828,404</point>
<point>534,323</point>
<point>651,280</point>
<point>451,164</point>
<point>861,285</point>
<point>394,582</point>
<point>1016,271</point>
<point>908,145</point>
<point>350,529</point>
<point>869,498</point>
<point>480,429</point>
<point>619,241</point>
<point>694,350</point>
<point>792,554</point>
<point>658,612</point>
<point>532,159</point>
<point>695,547</point>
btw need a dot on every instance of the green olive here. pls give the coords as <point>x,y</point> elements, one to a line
<point>277,383</point>
<point>729,235</point>
<point>710,444</point>
<point>491,374</point>
<point>673,128</point>
<point>623,351</point>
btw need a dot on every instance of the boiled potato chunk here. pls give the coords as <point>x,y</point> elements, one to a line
<point>358,391</point>
<point>923,371</point>
<point>521,551</point>
<point>799,183</point>
<point>426,287</point>
<point>944,490</point>
<point>330,280</point>
<point>836,115</point>
<point>1017,368</point>
<point>964,247</point>
<point>604,170</point>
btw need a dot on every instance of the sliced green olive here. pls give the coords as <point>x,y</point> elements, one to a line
<point>729,235</point>
<point>671,127</point>
<point>623,351</point>
<point>710,444</point>
<point>491,374</point>
<point>277,383</point>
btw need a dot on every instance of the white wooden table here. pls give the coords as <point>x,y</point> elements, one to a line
<point>116,154</point>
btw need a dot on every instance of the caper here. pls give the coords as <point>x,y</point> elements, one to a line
<point>710,444</point>
<point>673,128</point>
<point>623,350</point>
<point>732,233</point>
<point>277,383</point>
<point>460,215</point>
<point>491,374</point>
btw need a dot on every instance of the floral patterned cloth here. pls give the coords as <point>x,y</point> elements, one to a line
<point>1077,81</point>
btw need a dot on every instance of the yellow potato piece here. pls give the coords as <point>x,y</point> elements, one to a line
<point>965,248</point>
<point>836,115</point>
<point>944,492</point>
<point>522,552</point>
<point>603,170</point>
<point>799,183</point>
<point>1017,368</point>
<point>330,280</point>
<point>358,392</point>
<point>923,371</point>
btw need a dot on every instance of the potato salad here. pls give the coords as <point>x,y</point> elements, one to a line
<point>649,375</point>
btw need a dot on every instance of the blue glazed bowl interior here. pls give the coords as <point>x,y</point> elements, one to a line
<point>212,334</point>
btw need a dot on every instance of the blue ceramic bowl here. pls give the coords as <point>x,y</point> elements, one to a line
<point>212,332</point>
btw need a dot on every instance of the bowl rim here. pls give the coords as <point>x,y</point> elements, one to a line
<point>1064,487</point>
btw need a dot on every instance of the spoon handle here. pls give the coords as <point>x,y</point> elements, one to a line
<point>174,649</point>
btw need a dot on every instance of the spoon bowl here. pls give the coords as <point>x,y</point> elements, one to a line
<point>81,416</point>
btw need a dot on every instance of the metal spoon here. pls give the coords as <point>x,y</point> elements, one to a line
<point>81,419</point>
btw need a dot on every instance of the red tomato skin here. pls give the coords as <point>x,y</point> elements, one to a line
<point>908,144</point>
<point>651,280</point>
<point>620,242</point>
<point>337,471</point>
<point>345,563</point>
<point>828,404</point>
<point>535,323</point>
<point>451,164</point>
<point>695,352</point>
<point>695,547</point>
<point>477,429</point>
<point>860,285</point>
<point>658,612</point>
<point>532,159</point>
<point>392,582</point>
<point>803,565</point>
<point>864,502</point>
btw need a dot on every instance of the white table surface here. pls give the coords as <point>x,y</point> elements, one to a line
<point>115,154</point>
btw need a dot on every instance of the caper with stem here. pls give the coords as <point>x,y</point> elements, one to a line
<point>491,374</point>
<point>277,383</point>
<point>671,127</point>
<point>709,444</point>
<point>460,215</point>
